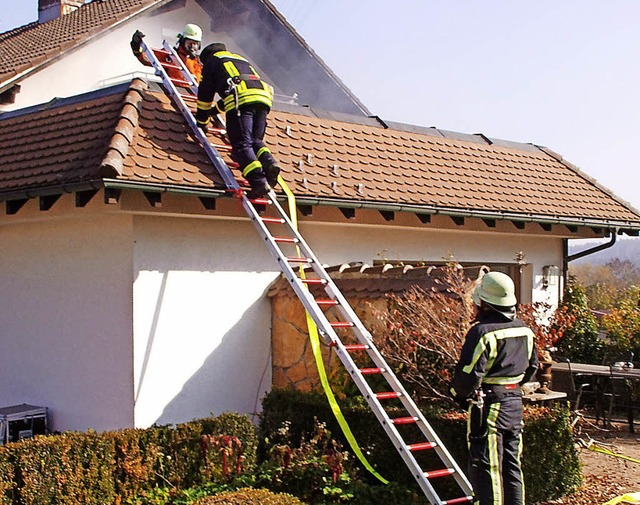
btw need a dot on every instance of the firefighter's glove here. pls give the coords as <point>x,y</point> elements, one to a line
<point>462,403</point>
<point>136,41</point>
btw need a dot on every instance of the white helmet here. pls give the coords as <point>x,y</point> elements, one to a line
<point>192,32</point>
<point>496,288</point>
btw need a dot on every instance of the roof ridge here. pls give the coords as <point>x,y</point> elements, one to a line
<point>124,131</point>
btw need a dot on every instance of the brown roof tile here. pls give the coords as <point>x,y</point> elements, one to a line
<point>133,133</point>
<point>47,40</point>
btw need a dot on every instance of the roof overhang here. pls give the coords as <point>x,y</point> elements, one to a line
<point>15,199</point>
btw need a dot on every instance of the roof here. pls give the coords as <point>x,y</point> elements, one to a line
<point>48,40</point>
<point>132,134</point>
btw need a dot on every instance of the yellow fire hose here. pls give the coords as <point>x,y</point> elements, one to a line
<point>317,354</point>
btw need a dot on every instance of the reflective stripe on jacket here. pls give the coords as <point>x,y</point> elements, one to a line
<point>236,82</point>
<point>496,351</point>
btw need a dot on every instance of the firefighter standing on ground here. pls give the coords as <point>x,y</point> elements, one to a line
<point>498,355</point>
<point>246,101</point>
<point>187,47</point>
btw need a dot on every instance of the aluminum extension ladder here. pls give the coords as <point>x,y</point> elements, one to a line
<point>289,237</point>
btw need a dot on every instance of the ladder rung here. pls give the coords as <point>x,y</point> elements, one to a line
<point>261,201</point>
<point>313,281</point>
<point>404,420</point>
<point>341,324</point>
<point>181,83</point>
<point>278,220</point>
<point>169,66</point>
<point>388,395</point>
<point>464,499</point>
<point>422,446</point>
<point>356,347</point>
<point>296,259</point>
<point>439,473</point>
<point>371,371</point>
<point>328,303</point>
<point>192,98</point>
<point>160,52</point>
<point>286,240</point>
<point>221,147</point>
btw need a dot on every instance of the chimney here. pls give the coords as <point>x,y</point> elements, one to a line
<point>53,9</point>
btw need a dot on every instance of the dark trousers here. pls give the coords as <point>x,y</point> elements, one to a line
<point>246,133</point>
<point>495,445</point>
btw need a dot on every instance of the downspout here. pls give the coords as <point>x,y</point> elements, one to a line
<point>586,252</point>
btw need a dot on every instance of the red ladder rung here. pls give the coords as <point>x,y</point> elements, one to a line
<point>404,420</point>
<point>341,324</point>
<point>170,66</point>
<point>261,201</point>
<point>181,82</point>
<point>371,371</point>
<point>278,220</point>
<point>160,52</point>
<point>388,395</point>
<point>296,259</point>
<point>464,499</point>
<point>439,473</point>
<point>313,281</point>
<point>326,303</point>
<point>422,446</point>
<point>286,240</point>
<point>233,164</point>
<point>356,347</point>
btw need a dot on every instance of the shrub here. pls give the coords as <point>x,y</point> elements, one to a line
<point>551,467</point>
<point>249,496</point>
<point>91,468</point>
<point>622,325</point>
<point>580,342</point>
<point>422,332</point>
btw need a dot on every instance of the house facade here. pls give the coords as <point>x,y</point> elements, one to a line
<point>135,287</point>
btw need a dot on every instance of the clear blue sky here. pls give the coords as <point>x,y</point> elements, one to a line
<point>558,73</point>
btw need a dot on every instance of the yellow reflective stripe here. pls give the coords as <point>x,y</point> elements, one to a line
<point>204,105</point>
<point>262,150</point>
<point>231,69</point>
<point>254,165</point>
<point>481,347</point>
<point>249,96</point>
<point>503,380</point>
<point>522,331</point>
<point>494,455</point>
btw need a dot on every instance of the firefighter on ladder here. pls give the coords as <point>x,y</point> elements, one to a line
<point>498,355</point>
<point>187,47</point>
<point>246,100</point>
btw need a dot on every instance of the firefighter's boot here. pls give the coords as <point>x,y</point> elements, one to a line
<point>272,172</point>
<point>259,185</point>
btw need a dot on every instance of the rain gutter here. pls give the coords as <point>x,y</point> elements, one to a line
<point>345,204</point>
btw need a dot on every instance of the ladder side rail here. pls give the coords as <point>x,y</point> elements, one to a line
<point>365,337</point>
<point>410,406</point>
<point>188,76</point>
<point>394,435</point>
<point>217,161</point>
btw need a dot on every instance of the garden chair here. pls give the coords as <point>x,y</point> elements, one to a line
<point>582,389</point>
<point>621,393</point>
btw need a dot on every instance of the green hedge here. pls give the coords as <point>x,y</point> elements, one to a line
<point>550,461</point>
<point>115,467</point>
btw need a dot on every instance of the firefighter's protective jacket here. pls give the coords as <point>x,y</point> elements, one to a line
<point>236,82</point>
<point>498,350</point>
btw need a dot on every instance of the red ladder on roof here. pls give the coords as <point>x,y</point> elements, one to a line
<point>289,249</point>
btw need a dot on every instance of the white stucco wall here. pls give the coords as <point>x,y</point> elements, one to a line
<point>202,324</point>
<point>65,313</point>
